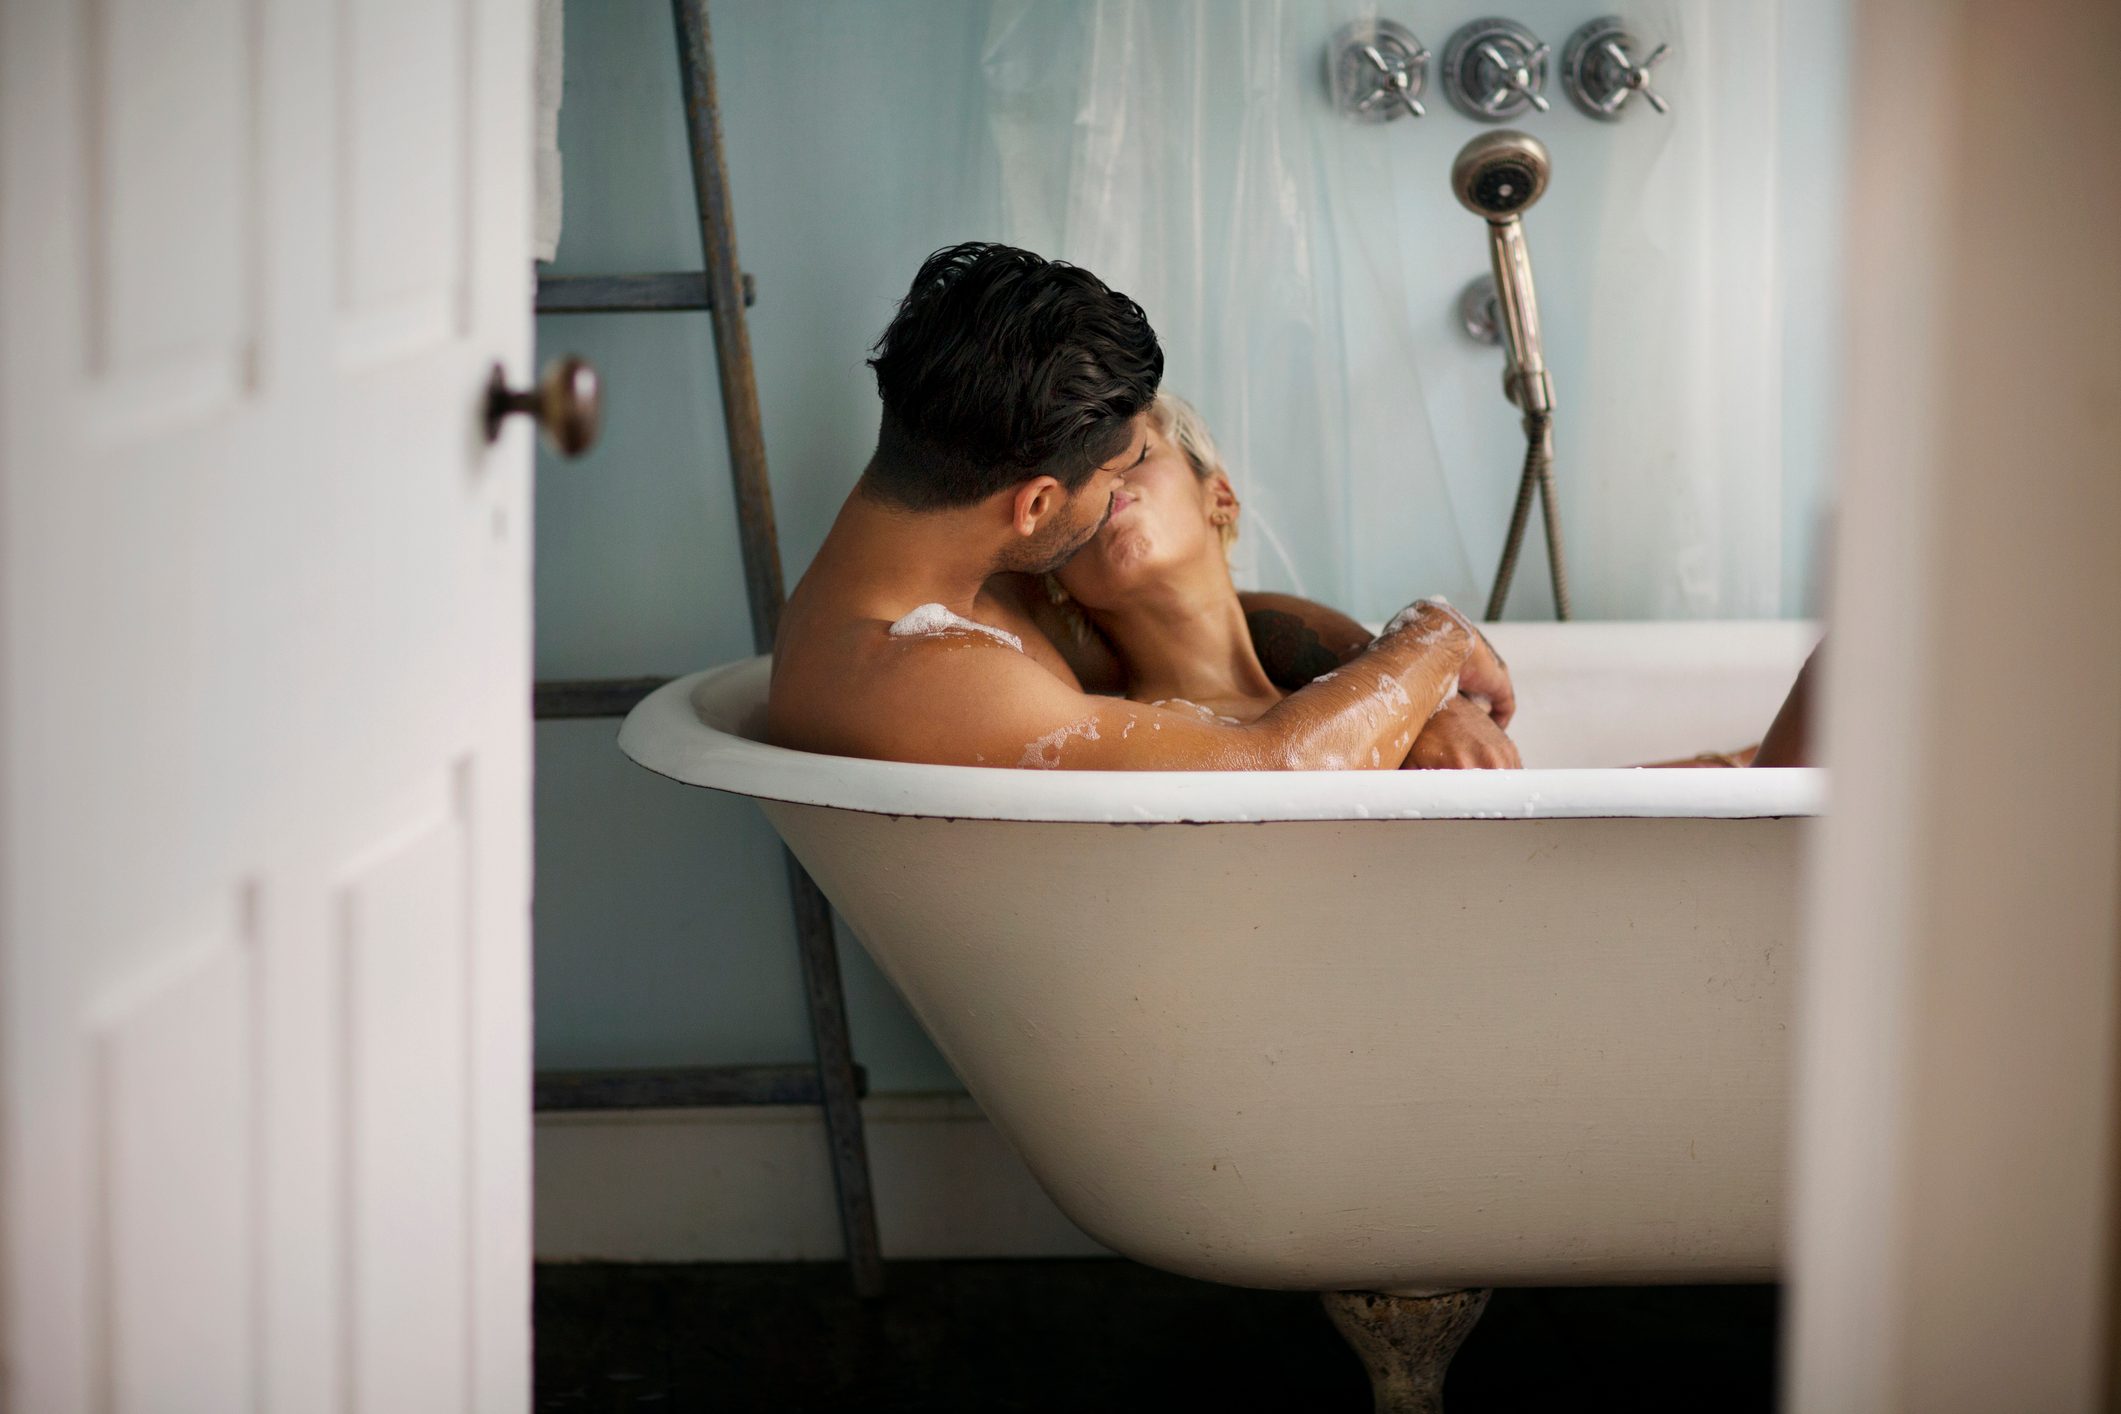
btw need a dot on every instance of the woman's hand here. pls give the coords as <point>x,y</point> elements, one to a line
<point>1462,737</point>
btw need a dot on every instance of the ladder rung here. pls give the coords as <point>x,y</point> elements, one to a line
<point>590,697</point>
<point>690,1087</point>
<point>629,294</point>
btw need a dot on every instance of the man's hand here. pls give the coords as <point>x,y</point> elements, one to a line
<point>1482,676</point>
<point>1486,676</point>
<point>1298,640</point>
<point>1462,737</point>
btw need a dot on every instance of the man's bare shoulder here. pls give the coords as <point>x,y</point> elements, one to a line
<point>916,688</point>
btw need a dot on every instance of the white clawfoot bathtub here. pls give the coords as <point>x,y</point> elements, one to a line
<point>1382,1031</point>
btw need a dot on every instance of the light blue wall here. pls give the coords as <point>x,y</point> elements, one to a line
<point>662,932</point>
<point>1814,118</point>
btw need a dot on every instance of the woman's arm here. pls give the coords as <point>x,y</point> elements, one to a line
<point>1461,737</point>
<point>1297,640</point>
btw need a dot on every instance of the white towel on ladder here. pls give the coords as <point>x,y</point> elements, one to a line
<point>549,81</point>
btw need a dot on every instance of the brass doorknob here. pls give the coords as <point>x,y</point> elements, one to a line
<point>568,404</point>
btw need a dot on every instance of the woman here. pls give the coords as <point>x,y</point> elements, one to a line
<point>1149,609</point>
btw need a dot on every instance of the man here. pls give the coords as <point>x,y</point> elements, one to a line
<point>1014,392</point>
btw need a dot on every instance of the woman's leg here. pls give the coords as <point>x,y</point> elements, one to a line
<point>1789,738</point>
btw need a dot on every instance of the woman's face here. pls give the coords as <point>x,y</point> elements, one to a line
<point>1160,527</point>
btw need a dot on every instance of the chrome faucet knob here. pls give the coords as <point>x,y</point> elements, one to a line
<point>1494,69</point>
<point>1599,69</point>
<point>1375,70</point>
<point>1639,78</point>
<point>1515,71</point>
<point>1396,79</point>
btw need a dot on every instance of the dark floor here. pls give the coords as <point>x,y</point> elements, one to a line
<point>1104,1335</point>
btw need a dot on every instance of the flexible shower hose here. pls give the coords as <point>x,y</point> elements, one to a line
<point>1538,476</point>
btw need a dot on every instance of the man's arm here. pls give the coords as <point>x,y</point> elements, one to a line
<point>969,702</point>
<point>1295,638</point>
<point>1298,640</point>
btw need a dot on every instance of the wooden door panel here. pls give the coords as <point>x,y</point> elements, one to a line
<point>171,196</point>
<point>174,1133</point>
<point>403,175</point>
<point>406,993</point>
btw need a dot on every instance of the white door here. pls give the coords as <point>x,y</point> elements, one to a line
<point>264,627</point>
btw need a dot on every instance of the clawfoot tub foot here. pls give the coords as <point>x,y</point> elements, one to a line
<point>1406,1342</point>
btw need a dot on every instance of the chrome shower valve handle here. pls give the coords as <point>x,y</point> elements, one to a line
<point>1638,76</point>
<point>1494,69</point>
<point>1396,80</point>
<point>1375,70</point>
<point>1599,69</point>
<point>1515,72</point>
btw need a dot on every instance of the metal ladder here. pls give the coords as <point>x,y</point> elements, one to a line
<point>834,1082</point>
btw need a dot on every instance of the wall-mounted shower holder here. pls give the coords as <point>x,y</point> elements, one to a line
<point>1376,70</point>
<point>1494,69</point>
<point>1600,70</point>
<point>1479,311</point>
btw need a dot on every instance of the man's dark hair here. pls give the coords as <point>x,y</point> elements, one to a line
<point>1002,365</point>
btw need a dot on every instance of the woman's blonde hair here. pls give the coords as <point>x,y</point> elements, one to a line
<point>1184,428</point>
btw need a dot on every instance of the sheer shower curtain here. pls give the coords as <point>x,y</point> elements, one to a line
<point>1302,271</point>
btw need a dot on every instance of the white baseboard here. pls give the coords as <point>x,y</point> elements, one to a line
<point>755,1185</point>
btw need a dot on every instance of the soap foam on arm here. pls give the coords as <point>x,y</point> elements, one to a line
<point>1409,615</point>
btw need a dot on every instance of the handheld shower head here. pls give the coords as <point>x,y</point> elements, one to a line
<point>1497,175</point>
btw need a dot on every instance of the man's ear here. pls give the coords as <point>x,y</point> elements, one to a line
<point>1033,501</point>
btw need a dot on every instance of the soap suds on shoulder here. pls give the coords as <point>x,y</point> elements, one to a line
<point>933,621</point>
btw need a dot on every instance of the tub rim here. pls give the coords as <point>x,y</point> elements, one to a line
<point>687,730</point>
